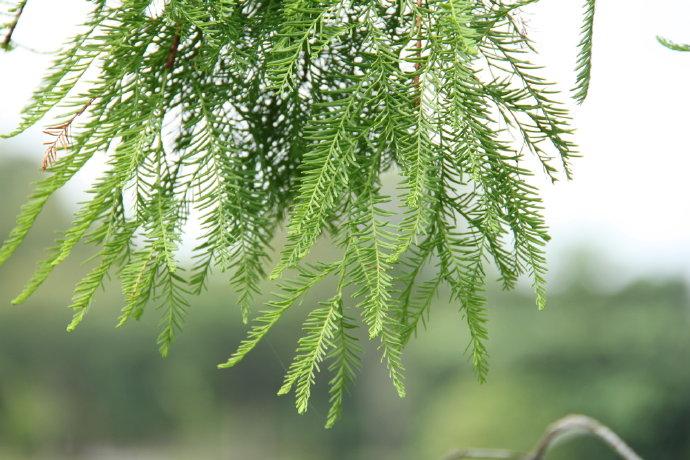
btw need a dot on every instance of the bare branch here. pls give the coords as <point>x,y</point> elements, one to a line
<point>581,424</point>
<point>565,427</point>
<point>482,454</point>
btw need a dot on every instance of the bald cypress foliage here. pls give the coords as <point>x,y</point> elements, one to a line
<point>251,114</point>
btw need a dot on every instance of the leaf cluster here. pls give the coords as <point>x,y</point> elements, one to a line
<point>244,114</point>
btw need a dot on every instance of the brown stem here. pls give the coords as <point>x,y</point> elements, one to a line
<point>172,52</point>
<point>13,25</point>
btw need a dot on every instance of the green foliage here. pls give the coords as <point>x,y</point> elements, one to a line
<point>247,114</point>
<point>584,59</point>
<point>673,45</point>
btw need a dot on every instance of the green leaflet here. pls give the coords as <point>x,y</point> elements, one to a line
<point>253,115</point>
<point>319,330</point>
<point>673,45</point>
<point>584,59</point>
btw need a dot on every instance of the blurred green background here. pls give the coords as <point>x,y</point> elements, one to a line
<point>618,355</point>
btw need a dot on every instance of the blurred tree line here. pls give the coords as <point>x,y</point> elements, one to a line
<point>620,356</point>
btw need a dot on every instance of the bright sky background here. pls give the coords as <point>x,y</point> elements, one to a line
<point>630,197</point>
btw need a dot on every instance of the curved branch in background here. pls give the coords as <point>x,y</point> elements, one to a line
<point>578,424</point>
<point>483,454</point>
<point>567,426</point>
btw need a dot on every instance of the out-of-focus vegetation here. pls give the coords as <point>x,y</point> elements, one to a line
<point>101,392</point>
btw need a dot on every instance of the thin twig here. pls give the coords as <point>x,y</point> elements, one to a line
<point>567,426</point>
<point>61,134</point>
<point>172,52</point>
<point>13,25</point>
<point>482,454</point>
<point>578,424</point>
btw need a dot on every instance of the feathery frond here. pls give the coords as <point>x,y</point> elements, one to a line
<point>673,45</point>
<point>584,59</point>
<point>247,115</point>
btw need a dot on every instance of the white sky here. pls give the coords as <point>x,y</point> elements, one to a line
<point>630,196</point>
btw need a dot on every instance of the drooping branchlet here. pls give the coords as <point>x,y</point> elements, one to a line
<point>254,114</point>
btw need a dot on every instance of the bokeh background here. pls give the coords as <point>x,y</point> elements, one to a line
<point>614,342</point>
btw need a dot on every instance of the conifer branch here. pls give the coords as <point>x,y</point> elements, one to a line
<point>18,10</point>
<point>673,45</point>
<point>418,51</point>
<point>249,115</point>
<point>584,60</point>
